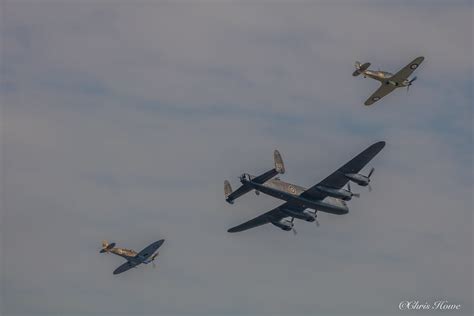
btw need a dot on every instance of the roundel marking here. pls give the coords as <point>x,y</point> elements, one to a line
<point>292,189</point>
<point>413,66</point>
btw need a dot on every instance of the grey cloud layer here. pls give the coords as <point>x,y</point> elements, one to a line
<point>121,121</point>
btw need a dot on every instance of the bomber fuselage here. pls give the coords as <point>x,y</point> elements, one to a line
<point>291,193</point>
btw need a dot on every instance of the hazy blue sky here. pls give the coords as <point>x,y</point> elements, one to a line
<point>120,120</point>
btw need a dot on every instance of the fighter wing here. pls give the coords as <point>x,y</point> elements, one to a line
<point>273,215</point>
<point>125,267</point>
<point>406,71</point>
<point>337,179</point>
<point>150,250</point>
<point>382,91</point>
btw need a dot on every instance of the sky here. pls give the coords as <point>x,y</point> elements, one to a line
<point>120,120</point>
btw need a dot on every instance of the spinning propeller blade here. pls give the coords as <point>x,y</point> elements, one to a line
<point>370,173</point>
<point>293,227</point>
<point>357,195</point>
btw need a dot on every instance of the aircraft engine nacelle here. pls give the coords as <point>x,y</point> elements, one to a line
<point>339,194</point>
<point>284,224</point>
<point>358,178</point>
<point>305,215</point>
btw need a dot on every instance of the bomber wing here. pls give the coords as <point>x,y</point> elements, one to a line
<point>273,215</point>
<point>337,179</point>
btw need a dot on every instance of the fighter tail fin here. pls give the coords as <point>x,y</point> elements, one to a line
<point>106,246</point>
<point>360,68</point>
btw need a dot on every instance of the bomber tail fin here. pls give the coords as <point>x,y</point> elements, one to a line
<point>279,165</point>
<point>227,190</point>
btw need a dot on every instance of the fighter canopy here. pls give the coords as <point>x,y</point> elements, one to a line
<point>361,179</point>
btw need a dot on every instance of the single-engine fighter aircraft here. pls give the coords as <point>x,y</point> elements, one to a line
<point>328,196</point>
<point>133,258</point>
<point>389,81</point>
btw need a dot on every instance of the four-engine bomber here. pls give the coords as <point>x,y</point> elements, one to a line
<point>328,196</point>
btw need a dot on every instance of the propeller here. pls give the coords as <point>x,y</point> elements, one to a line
<point>293,227</point>
<point>315,219</point>
<point>368,176</point>
<point>357,195</point>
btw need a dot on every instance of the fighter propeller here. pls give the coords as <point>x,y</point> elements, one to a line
<point>293,227</point>
<point>410,82</point>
